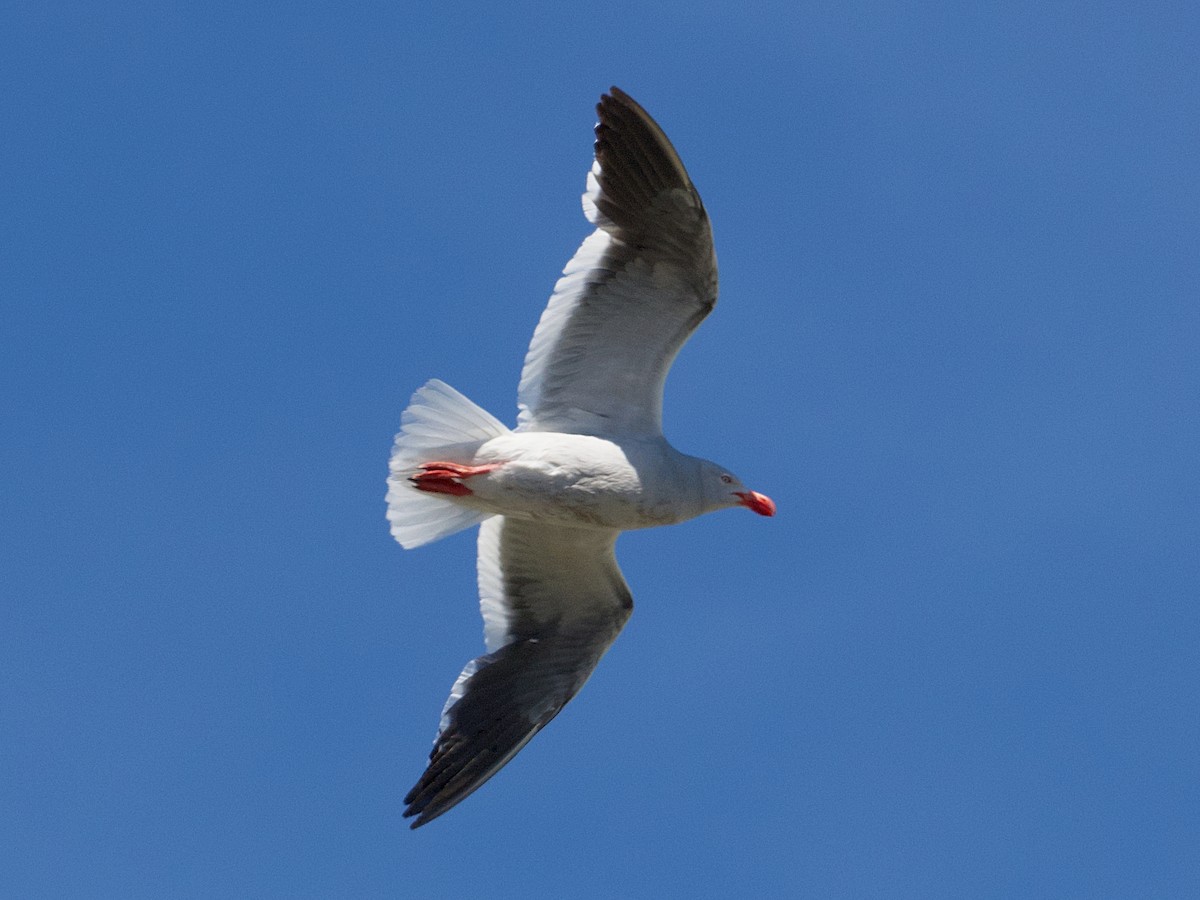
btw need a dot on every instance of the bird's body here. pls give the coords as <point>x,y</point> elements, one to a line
<point>585,480</point>
<point>587,460</point>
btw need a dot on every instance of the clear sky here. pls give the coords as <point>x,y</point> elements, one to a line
<point>957,343</point>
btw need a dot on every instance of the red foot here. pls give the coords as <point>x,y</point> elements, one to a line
<point>445,477</point>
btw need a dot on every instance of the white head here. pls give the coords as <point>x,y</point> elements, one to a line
<point>721,489</point>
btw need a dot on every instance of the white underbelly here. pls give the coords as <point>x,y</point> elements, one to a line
<point>572,480</point>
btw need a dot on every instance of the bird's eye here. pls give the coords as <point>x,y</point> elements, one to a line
<point>726,479</point>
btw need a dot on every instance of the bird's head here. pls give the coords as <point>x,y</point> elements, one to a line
<point>723,489</point>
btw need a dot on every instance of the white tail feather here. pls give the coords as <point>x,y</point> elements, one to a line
<point>439,424</point>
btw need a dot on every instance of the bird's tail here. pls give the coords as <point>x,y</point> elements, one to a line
<point>439,424</point>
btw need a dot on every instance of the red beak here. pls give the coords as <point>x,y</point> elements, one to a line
<point>760,503</point>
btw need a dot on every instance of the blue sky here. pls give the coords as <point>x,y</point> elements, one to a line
<point>956,342</point>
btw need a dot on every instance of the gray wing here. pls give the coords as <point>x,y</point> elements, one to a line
<point>553,601</point>
<point>633,293</point>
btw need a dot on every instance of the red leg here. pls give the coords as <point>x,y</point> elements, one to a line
<point>446,477</point>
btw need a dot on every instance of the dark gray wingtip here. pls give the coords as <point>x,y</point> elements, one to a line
<point>485,728</point>
<point>637,162</point>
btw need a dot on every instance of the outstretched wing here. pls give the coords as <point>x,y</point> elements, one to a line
<point>632,294</point>
<point>553,601</point>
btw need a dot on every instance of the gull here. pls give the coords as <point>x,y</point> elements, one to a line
<point>586,461</point>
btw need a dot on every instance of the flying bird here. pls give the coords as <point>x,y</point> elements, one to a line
<point>586,461</point>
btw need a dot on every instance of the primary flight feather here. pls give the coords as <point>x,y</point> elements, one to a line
<point>587,460</point>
